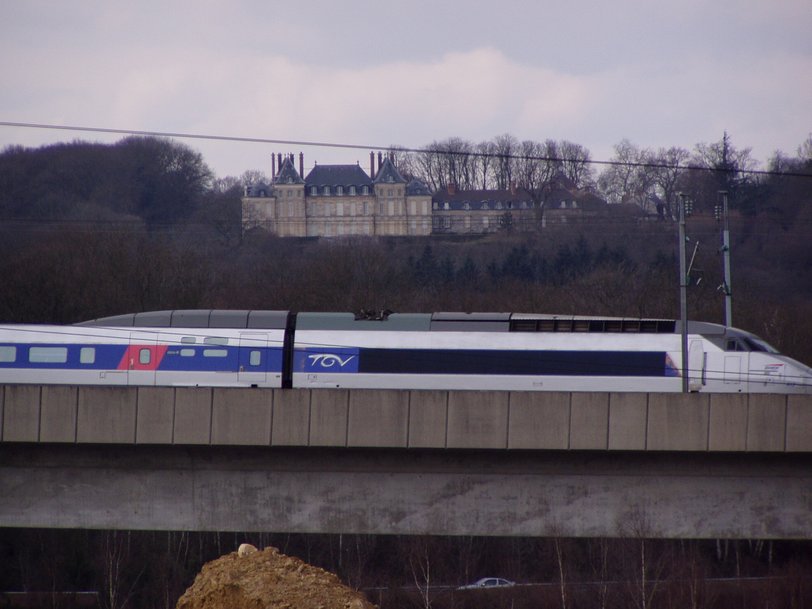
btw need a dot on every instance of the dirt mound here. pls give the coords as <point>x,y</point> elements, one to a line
<point>266,579</point>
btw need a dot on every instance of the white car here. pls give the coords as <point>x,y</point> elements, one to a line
<point>488,582</point>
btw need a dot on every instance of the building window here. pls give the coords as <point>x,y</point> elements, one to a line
<point>352,190</point>
<point>326,191</point>
<point>313,191</point>
<point>365,190</point>
<point>339,190</point>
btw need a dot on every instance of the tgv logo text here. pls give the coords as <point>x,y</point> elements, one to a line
<point>329,360</point>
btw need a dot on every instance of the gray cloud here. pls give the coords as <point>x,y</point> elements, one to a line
<point>386,73</point>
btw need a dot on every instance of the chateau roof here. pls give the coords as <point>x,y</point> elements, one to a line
<point>388,174</point>
<point>287,173</point>
<point>481,196</point>
<point>337,175</point>
<point>416,188</point>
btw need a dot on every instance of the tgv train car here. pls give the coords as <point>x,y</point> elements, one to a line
<point>179,348</point>
<point>501,351</point>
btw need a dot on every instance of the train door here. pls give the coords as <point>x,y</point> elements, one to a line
<point>696,366</point>
<point>253,360</point>
<point>733,372</point>
<point>143,357</point>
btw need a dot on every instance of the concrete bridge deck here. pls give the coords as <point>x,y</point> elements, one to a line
<point>406,419</point>
<point>407,462</point>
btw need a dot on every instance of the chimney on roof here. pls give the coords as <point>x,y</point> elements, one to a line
<point>371,164</point>
<point>301,164</point>
<point>279,161</point>
<point>452,189</point>
<point>392,157</point>
<point>273,166</point>
<point>380,160</point>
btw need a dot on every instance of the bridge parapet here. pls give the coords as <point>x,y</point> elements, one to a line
<point>406,419</point>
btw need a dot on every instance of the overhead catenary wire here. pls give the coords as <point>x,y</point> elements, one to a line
<point>370,147</point>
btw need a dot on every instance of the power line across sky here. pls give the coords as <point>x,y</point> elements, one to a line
<point>372,147</point>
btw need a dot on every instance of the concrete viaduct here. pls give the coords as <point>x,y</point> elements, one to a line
<point>406,462</point>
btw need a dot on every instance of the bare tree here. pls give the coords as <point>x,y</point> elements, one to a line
<point>576,163</point>
<point>505,147</point>
<point>668,174</point>
<point>628,179</point>
<point>484,164</point>
<point>114,554</point>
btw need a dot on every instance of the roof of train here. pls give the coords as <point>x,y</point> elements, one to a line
<point>385,320</point>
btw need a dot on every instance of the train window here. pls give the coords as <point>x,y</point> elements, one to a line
<point>187,352</point>
<point>215,340</point>
<point>8,354</point>
<point>732,345</point>
<point>215,352</point>
<point>255,358</point>
<point>756,344</point>
<point>144,356</point>
<point>48,355</point>
<point>87,355</point>
<point>187,340</point>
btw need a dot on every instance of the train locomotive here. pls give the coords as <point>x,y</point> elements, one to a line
<point>463,351</point>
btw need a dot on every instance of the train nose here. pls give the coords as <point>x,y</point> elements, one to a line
<point>803,379</point>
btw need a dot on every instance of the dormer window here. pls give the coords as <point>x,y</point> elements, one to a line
<point>365,190</point>
<point>352,190</point>
<point>326,191</point>
<point>314,191</point>
<point>339,190</point>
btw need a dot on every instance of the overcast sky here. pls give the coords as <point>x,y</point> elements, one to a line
<point>408,73</point>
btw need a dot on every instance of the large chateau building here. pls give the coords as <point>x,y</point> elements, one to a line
<point>341,200</point>
<point>338,200</point>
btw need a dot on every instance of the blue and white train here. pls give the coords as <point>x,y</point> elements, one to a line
<point>501,351</point>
